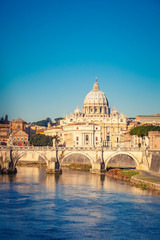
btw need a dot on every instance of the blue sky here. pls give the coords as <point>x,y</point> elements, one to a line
<point>52,51</point>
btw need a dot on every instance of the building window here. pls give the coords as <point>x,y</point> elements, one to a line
<point>18,138</point>
<point>20,132</point>
<point>18,126</point>
<point>26,138</point>
<point>96,128</point>
<point>77,128</point>
<point>87,137</point>
<point>22,138</point>
<point>77,143</point>
<point>96,138</point>
<point>121,120</point>
<point>77,138</point>
<point>14,138</point>
<point>117,140</point>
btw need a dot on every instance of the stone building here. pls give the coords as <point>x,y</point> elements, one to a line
<point>19,132</point>
<point>4,133</point>
<point>154,139</point>
<point>95,121</point>
<point>81,134</point>
<point>20,138</point>
<point>149,119</point>
<point>18,124</point>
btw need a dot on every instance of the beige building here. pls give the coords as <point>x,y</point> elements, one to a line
<point>4,133</point>
<point>19,132</point>
<point>149,119</point>
<point>95,125</point>
<point>154,139</point>
<point>81,134</point>
<point>20,138</point>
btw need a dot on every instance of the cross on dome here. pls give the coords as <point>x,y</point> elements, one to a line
<point>96,86</point>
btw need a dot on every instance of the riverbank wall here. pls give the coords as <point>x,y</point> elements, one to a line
<point>154,161</point>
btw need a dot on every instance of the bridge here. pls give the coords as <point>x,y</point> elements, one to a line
<point>97,157</point>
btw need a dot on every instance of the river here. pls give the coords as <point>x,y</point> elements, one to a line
<point>74,205</point>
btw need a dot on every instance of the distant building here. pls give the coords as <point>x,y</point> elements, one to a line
<point>19,132</point>
<point>133,124</point>
<point>81,134</point>
<point>18,124</point>
<point>154,139</point>
<point>149,119</point>
<point>4,133</point>
<point>20,138</point>
<point>95,125</point>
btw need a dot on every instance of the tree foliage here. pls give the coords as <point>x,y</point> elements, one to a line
<point>4,120</point>
<point>57,120</point>
<point>57,140</point>
<point>43,123</point>
<point>141,131</point>
<point>41,140</point>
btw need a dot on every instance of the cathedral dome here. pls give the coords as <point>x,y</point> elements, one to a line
<point>77,110</point>
<point>96,96</point>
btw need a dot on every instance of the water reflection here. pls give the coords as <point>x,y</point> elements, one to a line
<point>80,180</point>
<point>74,205</point>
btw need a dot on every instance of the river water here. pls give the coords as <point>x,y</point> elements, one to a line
<point>74,205</point>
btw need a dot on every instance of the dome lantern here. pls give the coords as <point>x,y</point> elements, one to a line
<point>96,86</point>
<point>96,103</point>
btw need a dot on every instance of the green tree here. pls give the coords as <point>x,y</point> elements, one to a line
<point>57,140</point>
<point>57,120</point>
<point>6,119</point>
<point>41,140</point>
<point>43,123</point>
<point>2,120</point>
<point>141,131</point>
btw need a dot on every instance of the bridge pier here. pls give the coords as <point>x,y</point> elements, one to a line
<point>54,167</point>
<point>7,164</point>
<point>98,167</point>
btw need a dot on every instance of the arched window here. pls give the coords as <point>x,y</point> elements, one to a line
<point>87,138</point>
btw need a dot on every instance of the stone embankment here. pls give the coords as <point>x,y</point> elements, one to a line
<point>139,179</point>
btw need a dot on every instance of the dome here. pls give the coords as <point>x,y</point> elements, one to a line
<point>77,110</point>
<point>114,111</point>
<point>96,96</point>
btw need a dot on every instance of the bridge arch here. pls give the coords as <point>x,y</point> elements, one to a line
<point>123,161</point>
<point>16,157</point>
<point>76,157</point>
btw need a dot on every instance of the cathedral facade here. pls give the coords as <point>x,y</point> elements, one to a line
<point>95,125</point>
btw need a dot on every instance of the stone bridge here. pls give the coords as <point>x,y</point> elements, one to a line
<point>120,157</point>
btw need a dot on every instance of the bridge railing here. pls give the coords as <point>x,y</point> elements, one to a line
<point>87,148</point>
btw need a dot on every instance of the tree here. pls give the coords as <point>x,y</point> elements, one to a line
<point>57,120</point>
<point>141,131</point>
<point>2,120</point>
<point>6,119</point>
<point>41,140</point>
<point>43,122</point>
<point>57,140</point>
